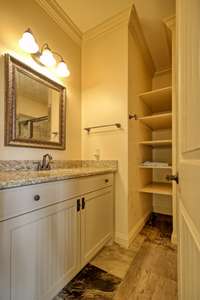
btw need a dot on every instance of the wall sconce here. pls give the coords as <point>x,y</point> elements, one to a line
<point>45,56</point>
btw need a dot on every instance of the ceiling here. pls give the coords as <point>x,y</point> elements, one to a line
<point>151,14</point>
<point>89,13</point>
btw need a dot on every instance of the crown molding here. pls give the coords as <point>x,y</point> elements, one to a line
<point>55,11</point>
<point>108,25</point>
<point>136,30</point>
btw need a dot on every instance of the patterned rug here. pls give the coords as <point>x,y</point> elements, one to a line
<point>91,283</point>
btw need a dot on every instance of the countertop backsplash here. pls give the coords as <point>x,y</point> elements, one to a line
<point>31,165</point>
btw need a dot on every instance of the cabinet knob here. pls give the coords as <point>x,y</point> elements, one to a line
<point>37,197</point>
<point>106,180</point>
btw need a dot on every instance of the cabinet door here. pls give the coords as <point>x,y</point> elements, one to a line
<point>39,252</point>
<point>96,222</point>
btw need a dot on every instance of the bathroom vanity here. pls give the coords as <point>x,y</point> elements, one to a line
<point>50,230</point>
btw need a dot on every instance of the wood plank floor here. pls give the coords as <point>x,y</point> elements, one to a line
<point>148,268</point>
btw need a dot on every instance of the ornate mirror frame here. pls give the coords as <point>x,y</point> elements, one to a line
<point>12,65</point>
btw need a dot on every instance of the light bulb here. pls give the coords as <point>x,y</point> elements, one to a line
<point>47,58</point>
<point>62,69</point>
<point>28,43</point>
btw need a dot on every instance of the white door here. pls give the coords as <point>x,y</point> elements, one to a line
<point>188,76</point>
<point>39,252</point>
<point>96,222</point>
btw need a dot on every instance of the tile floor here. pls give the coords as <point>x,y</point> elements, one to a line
<point>146,271</point>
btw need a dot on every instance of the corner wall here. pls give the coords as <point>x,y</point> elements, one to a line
<point>162,79</point>
<point>104,101</point>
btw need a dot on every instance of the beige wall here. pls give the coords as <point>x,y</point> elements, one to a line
<point>113,74</point>
<point>104,98</point>
<point>162,79</point>
<point>139,81</point>
<point>15,17</point>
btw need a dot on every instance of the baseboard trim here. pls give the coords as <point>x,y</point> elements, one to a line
<point>121,239</point>
<point>125,240</point>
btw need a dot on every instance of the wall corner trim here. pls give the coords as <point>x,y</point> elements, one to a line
<point>108,25</point>
<point>122,239</point>
<point>136,30</point>
<point>163,72</point>
<point>54,10</point>
<point>170,22</point>
<point>138,227</point>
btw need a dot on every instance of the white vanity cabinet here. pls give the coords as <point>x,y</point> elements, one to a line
<point>45,245</point>
<point>96,222</point>
<point>39,252</point>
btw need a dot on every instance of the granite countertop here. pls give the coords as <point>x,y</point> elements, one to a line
<point>11,179</point>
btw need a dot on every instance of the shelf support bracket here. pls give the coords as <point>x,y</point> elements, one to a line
<point>132,116</point>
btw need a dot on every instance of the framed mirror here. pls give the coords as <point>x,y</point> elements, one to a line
<point>35,108</point>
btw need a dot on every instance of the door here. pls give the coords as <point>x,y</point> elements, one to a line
<point>39,252</point>
<point>188,58</point>
<point>96,222</point>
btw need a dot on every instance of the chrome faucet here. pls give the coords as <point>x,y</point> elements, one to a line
<point>47,158</point>
<point>46,163</point>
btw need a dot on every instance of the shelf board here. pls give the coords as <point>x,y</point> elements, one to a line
<point>158,121</point>
<point>158,100</point>
<point>158,188</point>
<point>157,143</point>
<point>155,167</point>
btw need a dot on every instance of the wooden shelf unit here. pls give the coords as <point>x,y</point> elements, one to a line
<point>158,100</point>
<point>158,188</point>
<point>157,143</point>
<point>158,118</point>
<point>158,121</point>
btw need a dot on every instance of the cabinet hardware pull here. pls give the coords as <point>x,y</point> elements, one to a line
<point>78,205</point>
<point>37,197</point>
<point>83,203</point>
<point>106,180</point>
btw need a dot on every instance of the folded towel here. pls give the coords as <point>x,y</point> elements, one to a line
<point>155,163</point>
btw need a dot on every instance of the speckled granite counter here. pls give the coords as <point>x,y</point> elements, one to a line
<point>11,179</point>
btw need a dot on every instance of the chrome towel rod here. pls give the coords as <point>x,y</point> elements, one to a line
<point>118,125</point>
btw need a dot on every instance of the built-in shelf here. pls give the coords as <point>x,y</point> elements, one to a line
<point>158,100</point>
<point>158,188</point>
<point>155,167</point>
<point>157,143</point>
<point>158,121</point>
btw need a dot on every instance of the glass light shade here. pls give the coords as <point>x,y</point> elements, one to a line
<point>62,69</point>
<point>28,43</point>
<point>47,58</point>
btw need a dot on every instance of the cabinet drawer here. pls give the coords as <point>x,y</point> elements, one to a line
<point>17,201</point>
